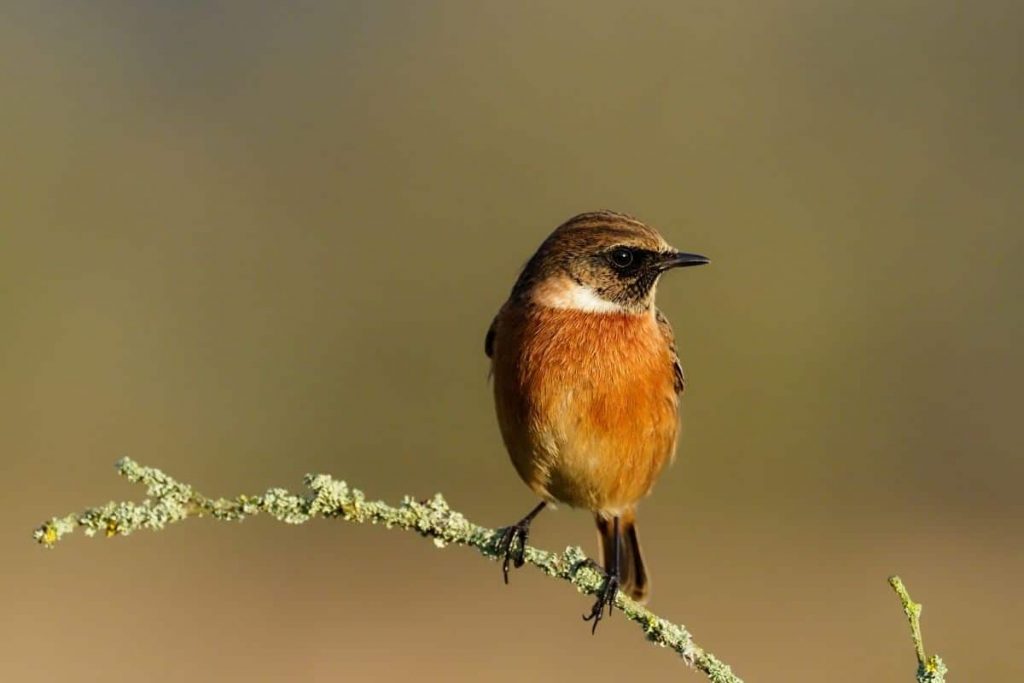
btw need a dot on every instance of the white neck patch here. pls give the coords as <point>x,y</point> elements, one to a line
<point>567,294</point>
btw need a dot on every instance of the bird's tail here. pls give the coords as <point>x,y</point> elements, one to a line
<point>633,579</point>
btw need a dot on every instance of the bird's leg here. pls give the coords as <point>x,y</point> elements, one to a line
<point>512,544</point>
<point>606,594</point>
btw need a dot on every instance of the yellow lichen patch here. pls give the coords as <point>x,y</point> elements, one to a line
<point>112,528</point>
<point>49,535</point>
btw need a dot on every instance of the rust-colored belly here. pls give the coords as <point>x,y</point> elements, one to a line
<point>585,402</point>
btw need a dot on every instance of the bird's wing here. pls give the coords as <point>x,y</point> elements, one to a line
<point>670,338</point>
<point>489,339</point>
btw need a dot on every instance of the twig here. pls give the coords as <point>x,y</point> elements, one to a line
<point>171,501</point>
<point>929,669</point>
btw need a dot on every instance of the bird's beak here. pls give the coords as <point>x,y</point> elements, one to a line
<point>679,259</point>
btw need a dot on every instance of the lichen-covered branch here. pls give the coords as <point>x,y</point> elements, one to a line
<point>929,669</point>
<point>171,501</point>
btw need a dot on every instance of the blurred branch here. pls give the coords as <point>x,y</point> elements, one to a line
<point>171,501</point>
<point>929,669</point>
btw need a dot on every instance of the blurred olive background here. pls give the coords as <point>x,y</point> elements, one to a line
<point>246,241</point>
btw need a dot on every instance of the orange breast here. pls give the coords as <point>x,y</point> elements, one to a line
<point>586,403</point>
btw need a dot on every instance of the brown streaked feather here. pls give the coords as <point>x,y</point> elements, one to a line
<point>670,337</point>
<point>565,249</point>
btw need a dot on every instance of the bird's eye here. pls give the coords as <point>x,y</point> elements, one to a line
<point>621,257</point>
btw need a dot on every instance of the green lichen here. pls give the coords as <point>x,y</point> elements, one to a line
<point>169,501</point>
<point>929,669</point>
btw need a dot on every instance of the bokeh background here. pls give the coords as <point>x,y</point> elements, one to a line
<point>246,241</point>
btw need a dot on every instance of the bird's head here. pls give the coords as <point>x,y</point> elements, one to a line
<point>600,262</point>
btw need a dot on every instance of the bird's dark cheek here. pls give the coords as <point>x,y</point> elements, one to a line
<point>647,280</point>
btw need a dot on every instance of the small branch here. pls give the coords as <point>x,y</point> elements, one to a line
<point>929,669</point>
<point>171,501</point>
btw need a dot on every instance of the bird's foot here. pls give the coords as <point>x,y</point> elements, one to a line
<point>605,598</point>
<point>512,545</point>
<point>512,542</point>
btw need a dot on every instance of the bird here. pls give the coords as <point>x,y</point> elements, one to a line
<point>587,381</point>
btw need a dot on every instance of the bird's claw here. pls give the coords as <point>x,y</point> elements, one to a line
<point>605,598</point>
<point>512,546</point>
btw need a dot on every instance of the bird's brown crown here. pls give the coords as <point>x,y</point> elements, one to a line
<point>601,262</point>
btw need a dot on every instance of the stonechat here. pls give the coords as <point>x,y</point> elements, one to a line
<point>587,384</point>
